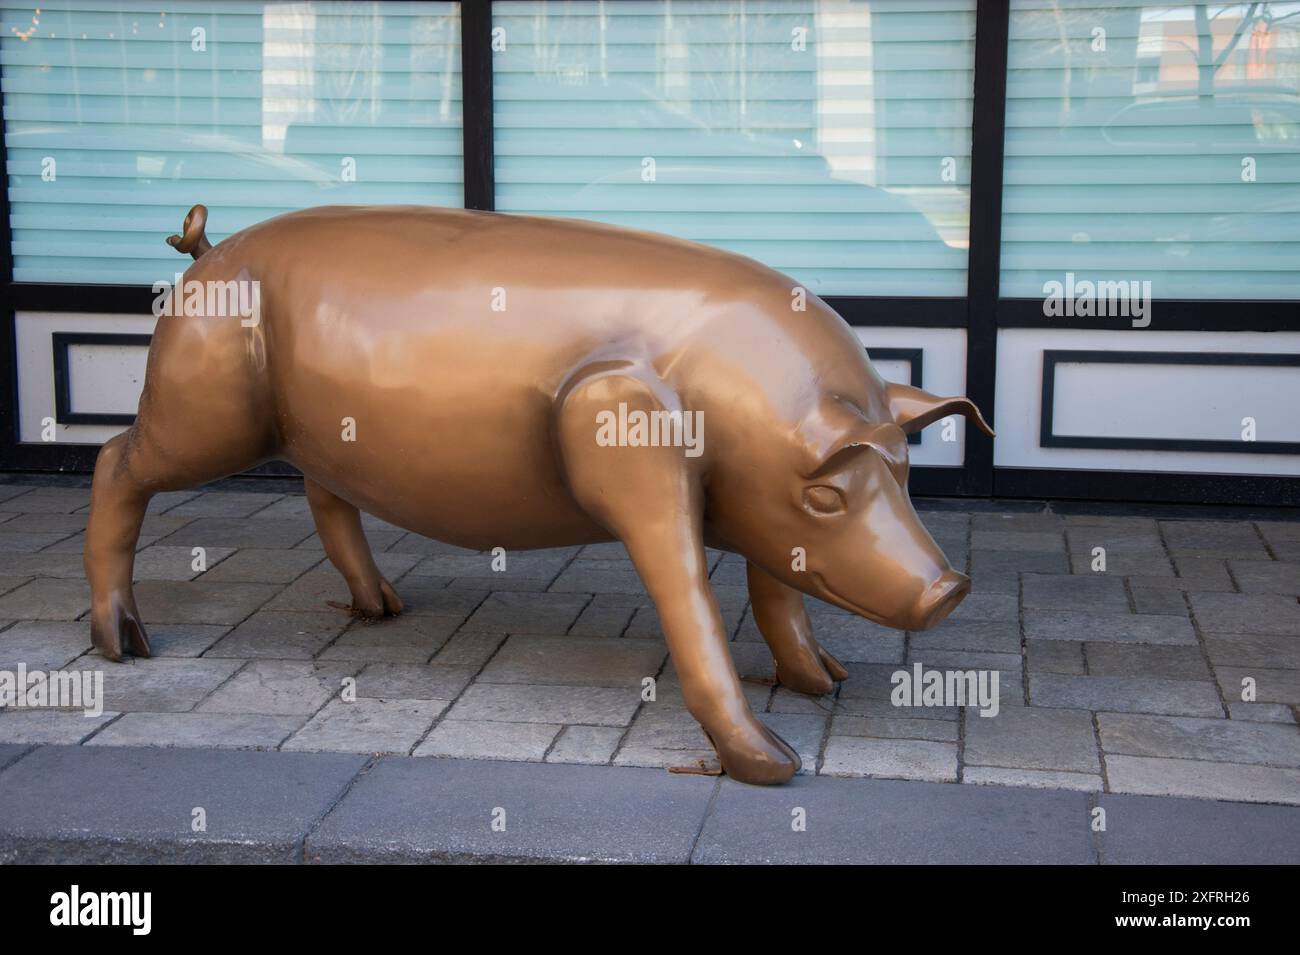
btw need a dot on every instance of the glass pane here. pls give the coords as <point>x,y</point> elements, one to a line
<point>829,139</point>
<point>119,116</point>
<point>1153,142</point>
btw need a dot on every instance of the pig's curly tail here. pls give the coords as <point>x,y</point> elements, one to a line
<point>192,240</point>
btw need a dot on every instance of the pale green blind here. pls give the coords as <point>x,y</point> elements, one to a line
<point>1134,131</point>
<point>829,139</point>
<point>120,116</point>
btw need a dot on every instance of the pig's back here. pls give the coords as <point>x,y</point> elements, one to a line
<point>444,336</point>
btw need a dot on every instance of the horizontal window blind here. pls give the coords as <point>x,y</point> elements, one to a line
<point>1153,142</point>
<point>119,117</point>
<point>829,139</point>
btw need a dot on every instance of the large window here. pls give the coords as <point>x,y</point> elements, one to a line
<point>119,117</point>
<point>1153,142</point>
<point>829,139</point>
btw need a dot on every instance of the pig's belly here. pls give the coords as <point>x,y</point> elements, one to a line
<point>478,471</point>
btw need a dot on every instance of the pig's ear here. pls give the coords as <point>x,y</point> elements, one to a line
<point>913,408</point>
<point>836,426</point>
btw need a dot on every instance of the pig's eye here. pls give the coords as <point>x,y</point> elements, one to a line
<point>823,499</point>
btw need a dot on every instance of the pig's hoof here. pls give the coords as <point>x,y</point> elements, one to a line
<point>117,631</point>
<point>812,674</point>
<point>834,667</point>
<point>754,754</point>
<point>378,601</point>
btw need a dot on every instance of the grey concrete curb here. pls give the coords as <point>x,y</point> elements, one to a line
<point>123,804</point>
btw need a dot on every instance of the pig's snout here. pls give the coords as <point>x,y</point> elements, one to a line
<point>940,599</point>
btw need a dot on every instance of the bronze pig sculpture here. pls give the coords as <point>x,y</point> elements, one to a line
<point>522,382</point>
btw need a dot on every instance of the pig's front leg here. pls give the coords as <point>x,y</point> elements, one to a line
<point>779,612</point>
<point>652,499</point>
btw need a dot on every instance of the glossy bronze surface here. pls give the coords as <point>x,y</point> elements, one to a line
<point>494,380</point>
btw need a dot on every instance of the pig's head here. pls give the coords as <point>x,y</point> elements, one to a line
<point>826,509</point>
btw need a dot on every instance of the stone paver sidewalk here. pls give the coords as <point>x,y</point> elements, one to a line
<point>1175,671</point>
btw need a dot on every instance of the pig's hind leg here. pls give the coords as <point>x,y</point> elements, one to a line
<point>652,499</point>
<point>339,526</point>
<point>801,665</point>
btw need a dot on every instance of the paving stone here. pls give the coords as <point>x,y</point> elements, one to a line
<point>1028,523</point>
<point>592,745</point>
<point>645,623</point>
<point>1261,712</point>
<point>45,564</point>
<point>1032,778</point>
<point>379,541</point>
<point>1033,738</point>
<point>238,533</point>
<point>223,504</point>
<point>599,576</point>
<point>43,644</point>
<point>470,649</point>
<point>486,739</point>
<point>857,640</point>
<point>179,640</point>
<point>281,636</point>
<point>1166,663</point>
<point>163,562</point>
<point>1196,778</point>
<point>606,616</point>
<point>753,661</point>
<point>49,725</point>
<point>988,562</point>
<point>1124,694</point>
<point>527,565</point>
<point>413,681</point>
<point>12,583</point>
<point>414,544</point>
<point>197,601</point>
<point>291,506</point>
<point>758,692</point>
<point>366,726</point>
<point>49,500</point>
<point>10,491</point>
<point>1055,656</point>
<point>259,806</point>
<point>548,613</point>
<point>664,727</point>
<point>886,821</point>
<point>278,687</point>
<point>1271,686</point>
<point>983,636</point>
<point>1128,550</point>
<point>1213,539</point>
<point>575,661</point>
<point>1145,830</point>
<point>429,810</point>
<point>46,598</point>
<point>1226,613</point>
<point>893,758</point>
<point>262,566</point>
<point>783,700</point>
<point>481,585</point>
<point>13,543</point>
<point>1158,600</point>
<point>982,539</point>
<point>45,523</point>
<point>1108,627</point>
<point>1269,650</point>
<point>985,606</point>
<point>404,639</point>
<point>650,756</point>
<point>1219,583</point>
<point>943,731</point>
<point>1266,576</point>
<point>1216,740</point>
<point>215,730</point>
<point>166,500</point>
<point>590,705</point>
<point>162,685</point>
<point>323,586</point>
<point>1209,573</point>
